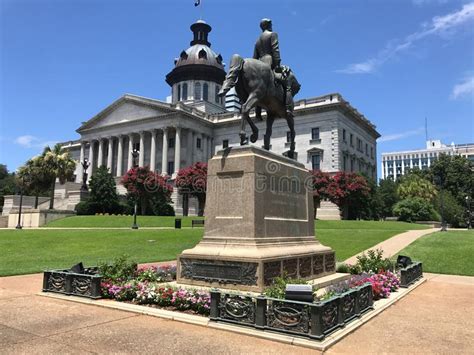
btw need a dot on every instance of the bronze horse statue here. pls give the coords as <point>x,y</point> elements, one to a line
<point>257,87</point>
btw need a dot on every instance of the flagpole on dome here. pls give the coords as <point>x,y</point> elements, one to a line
<point>198,3</point>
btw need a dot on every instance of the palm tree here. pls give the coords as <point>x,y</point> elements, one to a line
<point>59,165</point>
<point>36,178</point>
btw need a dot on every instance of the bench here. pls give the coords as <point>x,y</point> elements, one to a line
<point>197,222</point>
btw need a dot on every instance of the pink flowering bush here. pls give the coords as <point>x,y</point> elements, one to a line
<point>163,273</point>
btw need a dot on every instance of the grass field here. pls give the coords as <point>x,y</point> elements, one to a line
<point>444,252</point>
<point>28,251</point>
<point>117,221</point>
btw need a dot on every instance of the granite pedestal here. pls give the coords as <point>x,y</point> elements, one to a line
<point>259,224</point>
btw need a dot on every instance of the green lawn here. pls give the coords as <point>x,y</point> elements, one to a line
<point>349,238</point>
<point>444,252</point>
<point>118,221</point>
<point>28,251</point>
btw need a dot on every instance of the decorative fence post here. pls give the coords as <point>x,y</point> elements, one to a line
<point>215,299</point>
<point>316,331</point>
<point>261,312</point>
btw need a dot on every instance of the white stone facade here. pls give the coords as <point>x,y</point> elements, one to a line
<point>397,164</point>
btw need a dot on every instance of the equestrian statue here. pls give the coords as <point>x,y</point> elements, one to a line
<point>262,82</point>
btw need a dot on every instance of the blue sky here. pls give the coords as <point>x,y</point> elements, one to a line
<point>396,61</point>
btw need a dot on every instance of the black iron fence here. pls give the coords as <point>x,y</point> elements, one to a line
<point>411,273</point>
<point>313,320</point>
<point>66,282</point>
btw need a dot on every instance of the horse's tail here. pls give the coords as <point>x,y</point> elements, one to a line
<point>236,65</point>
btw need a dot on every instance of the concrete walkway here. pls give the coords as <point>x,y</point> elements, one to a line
<point>396,243</point>
<point>437,317</point>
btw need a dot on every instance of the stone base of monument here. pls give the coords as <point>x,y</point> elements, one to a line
<point>259,224</point>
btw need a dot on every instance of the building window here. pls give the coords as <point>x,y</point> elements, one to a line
<point>372,152</point>
<point>185,92</point>
<point>179,92</point>
<point>351,141</point>
<point>343,135</point>
<point>197,91</point>
<point>315,133</point>
<point>198,143</point>
<point>171,143</point>
<point>316,161</point>
<point>366,149</point>
<point>225,143</point>
<point>352,164</point>
<point>205,92</point>
<point>170,167</point>
<point>288,137</point>
<point>344,163</point>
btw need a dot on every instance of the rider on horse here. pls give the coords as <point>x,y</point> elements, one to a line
<point>267,50</point>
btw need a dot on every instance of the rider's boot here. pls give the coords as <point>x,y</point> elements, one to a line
<point>266,142</point>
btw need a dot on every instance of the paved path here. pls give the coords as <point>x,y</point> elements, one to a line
<point>437,317</point>
<point>396,243</point>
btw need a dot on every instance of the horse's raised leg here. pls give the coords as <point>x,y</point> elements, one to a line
<point>268,133</point>
<point>246,107</point>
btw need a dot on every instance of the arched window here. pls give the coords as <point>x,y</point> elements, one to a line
<point>205,92</point>
<point>179,92</point>
<point>197,91</point>
<point>217,98</point>
<point>185,92</point>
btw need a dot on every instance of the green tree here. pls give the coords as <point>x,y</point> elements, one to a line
<point>371,206</point>
<point>414,209</point>
<point>103,191</point>
<point>59,165</point>
<point>454,213</point>
<point>7,183</point>
<point>413,185</point>
<point>455,174</point>
<point>387,192</point>
<point>35,177</point>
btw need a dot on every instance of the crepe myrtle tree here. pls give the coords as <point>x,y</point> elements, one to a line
<point>349,192</point>
<point>320,182</point>
<point>192,181</point>
<point>145,186</point>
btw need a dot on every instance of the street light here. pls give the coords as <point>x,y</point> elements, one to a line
<point>18,226</point>
<point>440,181</point>
<point>135,154</point>
<point>468,203</point>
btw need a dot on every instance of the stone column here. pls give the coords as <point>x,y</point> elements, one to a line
<point>100,157</point>
<point>209,148</point>
<point>153,150</point>
<point>429,161</point>
<point>411,161</point>
<point>403,166</point>
<point>81,159</point>
<point>177,150</point>
<point>109,154</point>
<point>190,148</point>
<point>91,159</point>
<point>130,148</point>
<point>119,155</point>
<point>141,156</point>
<point>164,158</point>
<point>419,162</point>
<point>382,170</point>
<point>204,148</point>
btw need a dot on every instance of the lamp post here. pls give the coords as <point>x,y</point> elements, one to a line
<point>468,203</point>
<point>439,181</point>
<point>18,226</point>
<point>135,154</point>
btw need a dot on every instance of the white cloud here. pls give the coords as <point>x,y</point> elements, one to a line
<point>439,25</point>
<point>398,136</point>
<point>29,141</point>
<point>463,89</point>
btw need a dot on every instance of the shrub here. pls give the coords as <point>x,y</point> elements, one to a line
<point>103,192</point>
<point>415,209</point>
<point>121,269</point>
<point>165,273</point>
<point>373,262</point>
<point>278,286</point>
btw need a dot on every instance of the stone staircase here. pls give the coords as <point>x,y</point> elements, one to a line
<point>328,211</point>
